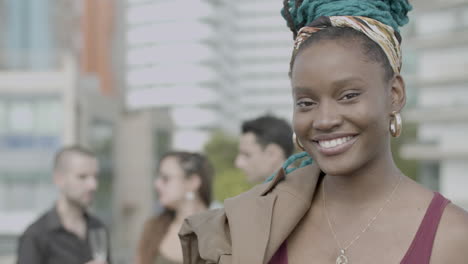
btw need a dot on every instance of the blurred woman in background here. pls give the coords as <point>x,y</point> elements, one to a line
<point>183,185</point>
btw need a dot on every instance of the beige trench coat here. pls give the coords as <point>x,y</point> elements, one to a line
<point>253,225</point>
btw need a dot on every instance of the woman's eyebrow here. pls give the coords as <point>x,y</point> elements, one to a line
<point>335,84</point>
<point>347,80</point>
<point>301,89</point>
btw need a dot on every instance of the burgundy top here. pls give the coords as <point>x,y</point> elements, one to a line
<point>421,248</point>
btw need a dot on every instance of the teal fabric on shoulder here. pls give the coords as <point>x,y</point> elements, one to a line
<point>303,155</point>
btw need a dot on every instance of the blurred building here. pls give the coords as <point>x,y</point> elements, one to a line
<point>262,49</point>
<point>171,66</point>
<point>438,46</point>
<point>211,64</point>
<point>186,68</point>
<point>191,67</point>
<point>53,92</point>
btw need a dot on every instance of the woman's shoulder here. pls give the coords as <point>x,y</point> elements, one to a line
<point>451,238</point>
<point>210,231</point>
<point>451,242</point>
<point>454,218</point>
<point>299,183</point>
<point>217,217</point>
<point>454,224</point>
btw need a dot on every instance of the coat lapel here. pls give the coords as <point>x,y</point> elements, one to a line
<point>260,222</point>
<point>294,197</point>
<point>250,225</point>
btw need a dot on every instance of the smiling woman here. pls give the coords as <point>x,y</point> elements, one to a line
<point>353,204</point>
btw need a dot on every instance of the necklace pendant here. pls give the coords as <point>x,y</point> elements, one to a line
<point>342,259</point>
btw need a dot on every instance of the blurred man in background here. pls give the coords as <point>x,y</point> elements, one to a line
<point>264,145</point>
<point>62,234</point>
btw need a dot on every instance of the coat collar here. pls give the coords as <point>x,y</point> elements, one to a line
<point>261,220</point>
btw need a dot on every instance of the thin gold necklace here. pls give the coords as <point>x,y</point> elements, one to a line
<point>342,258</point>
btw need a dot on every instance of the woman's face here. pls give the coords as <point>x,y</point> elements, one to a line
<point>342,105</point>
<point>171,183</point>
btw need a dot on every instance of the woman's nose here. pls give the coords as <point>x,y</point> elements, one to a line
<point>327,117</point>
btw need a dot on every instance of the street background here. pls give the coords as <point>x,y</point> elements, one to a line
<point>132,79</point>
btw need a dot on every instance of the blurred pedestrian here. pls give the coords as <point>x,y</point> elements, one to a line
<point>183,186</point>
<point>62,234</point>
<point>264,145</point>
<point>352,204</point>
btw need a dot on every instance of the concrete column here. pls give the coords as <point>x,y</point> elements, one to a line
<point>70,101</point>
<point>133,188</point>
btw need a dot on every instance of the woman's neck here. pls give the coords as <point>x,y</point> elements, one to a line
<point>369,183</point>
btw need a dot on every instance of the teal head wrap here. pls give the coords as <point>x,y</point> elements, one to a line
<point>390,12</point>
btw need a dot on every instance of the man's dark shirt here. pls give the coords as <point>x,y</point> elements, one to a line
<point>47,242</point>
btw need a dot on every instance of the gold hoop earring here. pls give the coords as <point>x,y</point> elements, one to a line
<point>395,124</point>
<point>297,142</point>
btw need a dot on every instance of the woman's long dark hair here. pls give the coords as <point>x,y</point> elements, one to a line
<point>156,228</point>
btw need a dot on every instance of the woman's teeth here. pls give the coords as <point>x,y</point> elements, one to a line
<point>334,142</point>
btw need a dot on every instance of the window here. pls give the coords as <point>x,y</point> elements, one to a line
<point>28,38</point>
<point>30,122</point>
<point>20,118</point>
<point>3,118</point>
<point>48,118</point>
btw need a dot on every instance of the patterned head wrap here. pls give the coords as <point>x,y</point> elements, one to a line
<point>382,34</point>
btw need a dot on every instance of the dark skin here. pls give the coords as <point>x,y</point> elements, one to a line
<point>344,96</point>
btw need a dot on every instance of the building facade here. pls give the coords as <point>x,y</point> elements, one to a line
<point>48,99</point>
<point>213,64</point>
<point>438,44</point>
<point>263,46</point>
<point>170,65</point>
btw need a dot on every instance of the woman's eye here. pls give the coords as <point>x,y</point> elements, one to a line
<point>349,96</point>
<point>305,103</point>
